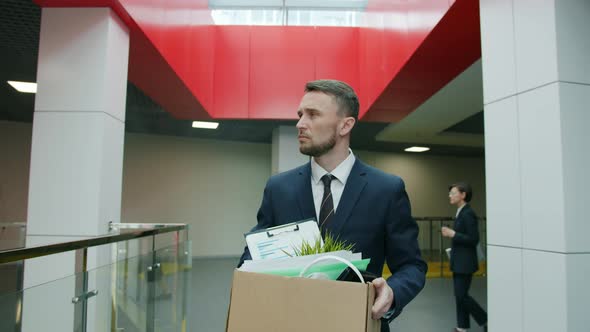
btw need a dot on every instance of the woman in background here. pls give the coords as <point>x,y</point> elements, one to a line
<point>465,237</point>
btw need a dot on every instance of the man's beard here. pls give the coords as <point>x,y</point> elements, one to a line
<point>319,149</point>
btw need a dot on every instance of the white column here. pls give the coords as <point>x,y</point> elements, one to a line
<point>285,149</point>
<point>77,156</point>
<point>536,72</point>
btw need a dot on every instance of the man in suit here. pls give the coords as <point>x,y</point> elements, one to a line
<point>351,200</point>
<point>464,261</point>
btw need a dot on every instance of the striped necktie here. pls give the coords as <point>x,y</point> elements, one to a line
<point>327,207</point>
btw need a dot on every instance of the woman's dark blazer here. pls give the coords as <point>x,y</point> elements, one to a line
<point>464,247</point>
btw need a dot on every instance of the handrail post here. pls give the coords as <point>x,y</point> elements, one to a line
<point>431,246</point>
<point>441,249</point>
<point>81,280</point>
<point>81,290</point>
<point>151,290</point>
<point>187,259</point>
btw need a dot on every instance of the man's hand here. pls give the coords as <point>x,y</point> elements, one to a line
<point>383,300</point>
<point>447,232</point>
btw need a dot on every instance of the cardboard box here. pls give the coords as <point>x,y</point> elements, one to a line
<point>268,303</point>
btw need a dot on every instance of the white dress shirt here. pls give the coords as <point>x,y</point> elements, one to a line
<point>341,173</point>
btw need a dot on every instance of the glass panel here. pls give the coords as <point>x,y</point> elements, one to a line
<point>10,297</point>
<point>96,310</point>
<point>47,307</point>
<point>130,291</point>
<point>166,240</point>
<point>136,289</point>
<point>434,245</point>
<point>152,297</point>
<point>172,287</point>
<point>247,16</point>
<point>314,17</point>
<point>295,17</point>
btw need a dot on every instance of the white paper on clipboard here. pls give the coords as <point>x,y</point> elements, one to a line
<point>280,241</point>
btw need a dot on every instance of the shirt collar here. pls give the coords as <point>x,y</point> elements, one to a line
<point>341,172</point>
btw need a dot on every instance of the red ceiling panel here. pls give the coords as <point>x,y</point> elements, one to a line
<point>187,64</point>
<point>422,17</point>
<point>154,76</point>
<point>397,46</point>
<point>396,52</point>
<point>232,72</point>
<point>395,30</point>
<point>148,16</point>
<point>200,60</point>
<point>184,42</point>
<point>336,55</point>
<point>281,62</point>
<point>199,68</point>
<point>371,65</point>
<point>451,47</point>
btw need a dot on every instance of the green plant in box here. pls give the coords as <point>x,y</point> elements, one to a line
<point>331,244</point>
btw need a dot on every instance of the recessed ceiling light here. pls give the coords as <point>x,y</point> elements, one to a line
<point>205,125</point>
<point>26,87</point>
<point>417,149</point>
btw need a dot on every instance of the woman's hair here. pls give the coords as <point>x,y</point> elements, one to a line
<point>463,187</point>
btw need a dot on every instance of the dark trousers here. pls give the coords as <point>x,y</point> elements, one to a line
<point>466,305</point>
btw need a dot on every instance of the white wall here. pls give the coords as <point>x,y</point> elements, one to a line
<point>285,149</point>
<point>216,186</point>
<point>428,178</point>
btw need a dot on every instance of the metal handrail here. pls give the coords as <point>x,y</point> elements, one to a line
<point>13,224</point>
<point>440,252</point>
<point>442,218</point>
<point>118,232</point>
<point>13,255</point>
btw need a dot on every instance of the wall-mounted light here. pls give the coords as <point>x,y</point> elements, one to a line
<point>25,87</point>
<point>205,125</point>
<point>417,149</point>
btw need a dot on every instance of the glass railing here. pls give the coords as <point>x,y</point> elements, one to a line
<point>434,245</point>
<point>139,281</point>
<point>12,236</point>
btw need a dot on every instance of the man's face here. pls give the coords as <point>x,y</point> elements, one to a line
<point>318,123</point>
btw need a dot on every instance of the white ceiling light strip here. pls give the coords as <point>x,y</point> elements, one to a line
<point>25,87</point>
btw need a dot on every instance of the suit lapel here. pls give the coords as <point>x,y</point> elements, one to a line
<point>463,210</point>
<point>355,184</point>
<point>458,222</point>
<point>304,193</point>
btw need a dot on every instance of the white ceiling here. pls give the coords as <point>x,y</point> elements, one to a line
<point>458,100</point>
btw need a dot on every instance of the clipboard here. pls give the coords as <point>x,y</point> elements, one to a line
<point>280,241</point>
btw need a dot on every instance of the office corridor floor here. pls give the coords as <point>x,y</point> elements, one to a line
<point>432,311</point>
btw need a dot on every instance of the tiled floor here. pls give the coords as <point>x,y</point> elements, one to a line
<point>432,311</point>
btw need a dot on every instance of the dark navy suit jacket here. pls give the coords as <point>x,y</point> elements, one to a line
<point>373,214</point>
<point>464,248</point>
